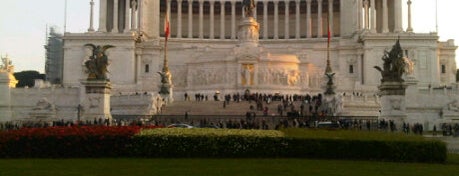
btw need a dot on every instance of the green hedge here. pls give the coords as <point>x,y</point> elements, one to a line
<point>167,143</point>
<point>204,146</point>
<point>211,143</point>
<point>405,151</point>
<point>273,147</point>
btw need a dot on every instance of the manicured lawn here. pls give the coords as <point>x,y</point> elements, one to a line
<point>265,167</point>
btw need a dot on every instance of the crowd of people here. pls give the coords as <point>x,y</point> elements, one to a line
<point>14,125</point>
<point>248,122</point>
<point>293,105</point>
<point>310,112</point>
<point>450,129</point>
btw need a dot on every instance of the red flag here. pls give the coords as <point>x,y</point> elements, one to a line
<point>166,26</point>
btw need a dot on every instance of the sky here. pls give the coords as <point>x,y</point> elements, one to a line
<point>23,25</point>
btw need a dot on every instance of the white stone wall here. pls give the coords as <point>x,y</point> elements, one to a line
<point>431,106</point>
<point>58,103</point>
<point>136,103</point>
<point>122,61</point>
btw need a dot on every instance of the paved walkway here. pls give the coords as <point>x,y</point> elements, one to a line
<point>451,142</point>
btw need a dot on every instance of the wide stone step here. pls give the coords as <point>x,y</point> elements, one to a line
<point>216,108</point>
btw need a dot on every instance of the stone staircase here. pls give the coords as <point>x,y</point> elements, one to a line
<point>216,108</point>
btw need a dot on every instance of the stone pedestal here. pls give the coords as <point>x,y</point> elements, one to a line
<point>7,81</point>
<point>248,32</point>
<point>393,105</point>
<point>166,92</point>
<point>96,104</point>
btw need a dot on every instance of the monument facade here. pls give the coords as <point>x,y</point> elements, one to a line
<point>265,46</point>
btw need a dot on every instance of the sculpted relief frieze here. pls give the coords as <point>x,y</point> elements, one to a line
<point>207,76</point>
<point>279,76</point>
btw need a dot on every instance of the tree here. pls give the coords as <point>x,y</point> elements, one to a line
<point>27,78</point>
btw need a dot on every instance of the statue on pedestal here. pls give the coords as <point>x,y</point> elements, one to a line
<point>248,5</point>
<point>329,88</point>
<point>166,77</point>
<point>392,88</point>
<point>97,63</point>
<point>6,65</point>
<point>394,65</point>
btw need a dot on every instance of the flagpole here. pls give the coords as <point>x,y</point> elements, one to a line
<point>166,36</point>
<point>65,16</point>
<point>436,16</point>
<point>328,68</point>
<point>165,66</point>
<point>166,81</point>
<point>329,88</point>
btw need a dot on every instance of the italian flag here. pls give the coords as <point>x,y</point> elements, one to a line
<point>167,29</point>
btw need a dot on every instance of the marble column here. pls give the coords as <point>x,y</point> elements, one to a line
<point>179,18</point>
<point>319,19</point>
<point>133,15</point>
<point>233,19</point>
<point>308,19</point>
<point>91,17</point>
<point>373,16</point>
<point>360,14</point>
<point>126,16</point>
<point>265,19</point>
<point>297,17</point>
<point>222,20</point>
<point>286,17</point>
<point>410,28</point>
<point>330,17</point>
<point>201,19</point>
<point>140,16</point>
<point>103,16</point>
<point>398,16</point>
<point>276,19</point>
<point>138,68</point>
<point>115,16</point>
<point>212,21</point>
<point>190,18</point>
<point>367,21</point>
<point>385,21</point>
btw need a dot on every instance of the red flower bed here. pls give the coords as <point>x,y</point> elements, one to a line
<point>59,142</point>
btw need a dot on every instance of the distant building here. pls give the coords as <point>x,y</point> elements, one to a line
<point>54,57</point>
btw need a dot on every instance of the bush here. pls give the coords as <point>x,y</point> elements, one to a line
<point>404,151</point>
<point>64,142</point>
<point>177,142</point>
<point>298,144</point>
<point>209,132</point>
<point>101,141</point>
<point>346,144</point>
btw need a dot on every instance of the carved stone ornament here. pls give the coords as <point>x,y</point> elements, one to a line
<point>249,5</point>
<point>96,65</point>
<point>395,65</point>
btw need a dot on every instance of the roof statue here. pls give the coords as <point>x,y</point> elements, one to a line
<point>6,65</point>
<point>97,63</point>
<point>248,5</point>
<point>394,64</point>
